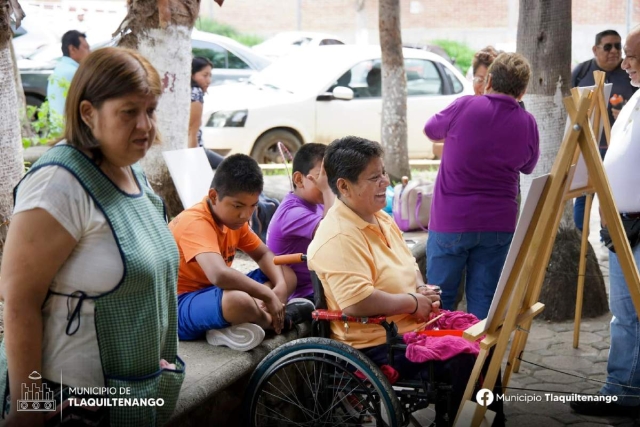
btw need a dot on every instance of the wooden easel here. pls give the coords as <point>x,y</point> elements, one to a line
<point>597,111</point>
<point>519,299</point>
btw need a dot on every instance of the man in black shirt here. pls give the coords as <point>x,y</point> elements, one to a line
<point>607,58</point>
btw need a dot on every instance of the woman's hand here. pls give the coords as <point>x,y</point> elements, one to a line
<point>275,307</point>
<point>425,307</point>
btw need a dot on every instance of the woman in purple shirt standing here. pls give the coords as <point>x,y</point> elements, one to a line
<point>489,140</point>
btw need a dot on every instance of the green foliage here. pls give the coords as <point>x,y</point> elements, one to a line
<point>461,52</point>
<point>46,125</point>
<point>211,26</point>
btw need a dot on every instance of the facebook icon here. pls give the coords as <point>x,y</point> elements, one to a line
<point>484,397</point>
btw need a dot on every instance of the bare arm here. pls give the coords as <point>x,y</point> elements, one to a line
<point>36,247</point>
<point>328,198</point>
<point>438,147</point>
<point>264,257</point>
<point>228,278</point>
<point>383,303</point>
<point>195,121</point>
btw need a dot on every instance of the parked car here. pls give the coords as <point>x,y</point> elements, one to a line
<point>290,42</point>
<point>322,94</point>
<point>232,62</point>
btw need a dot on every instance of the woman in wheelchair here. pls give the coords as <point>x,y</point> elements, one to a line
<point>366,270</point>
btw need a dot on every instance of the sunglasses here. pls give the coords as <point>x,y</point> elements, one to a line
<point>608,46</point>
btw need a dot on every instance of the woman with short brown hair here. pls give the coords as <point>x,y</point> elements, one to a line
<point>90,268</point>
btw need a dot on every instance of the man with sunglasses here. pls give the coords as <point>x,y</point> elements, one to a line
<point>607,57</point>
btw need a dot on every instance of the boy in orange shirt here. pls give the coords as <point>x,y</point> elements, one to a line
<point>214,299</point>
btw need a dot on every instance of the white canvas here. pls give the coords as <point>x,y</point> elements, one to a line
<point>191,173</point>
<point>581,177</point>
<point>528,209</point>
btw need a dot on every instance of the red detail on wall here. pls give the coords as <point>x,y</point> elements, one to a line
<point>168,82</point>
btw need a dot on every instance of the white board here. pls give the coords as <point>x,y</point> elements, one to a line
<point>191,174</point>
<point>581,176</point>
<point>528,209</point>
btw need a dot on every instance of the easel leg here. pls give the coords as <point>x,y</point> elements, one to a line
<point>582,269</point>
<point>513,363</point>
<point>471,385</point>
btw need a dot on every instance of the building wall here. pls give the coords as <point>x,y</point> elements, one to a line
<point>477,23</point>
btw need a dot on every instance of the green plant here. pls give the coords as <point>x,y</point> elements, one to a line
<point>47,125</point>
<point>460,52</point>
<point>211,26</point>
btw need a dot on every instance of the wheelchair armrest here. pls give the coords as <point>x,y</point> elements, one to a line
<point>339,316</point>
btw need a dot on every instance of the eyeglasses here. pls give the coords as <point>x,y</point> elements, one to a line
<point>608,46</point>
<point>479,80</point>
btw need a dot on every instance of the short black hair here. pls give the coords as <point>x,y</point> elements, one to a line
<point>236,174</point>
<point>307,157</point>
<point>71,38</point>
<point>604,34</point>
<point>197,64</point>
<point>347,157</point>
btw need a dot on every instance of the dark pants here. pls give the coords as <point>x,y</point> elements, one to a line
<point>578,206</point>
<point>455,371</point>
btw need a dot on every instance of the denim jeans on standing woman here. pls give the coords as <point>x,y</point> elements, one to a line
<point>482,253</point>
<point>624,354</point>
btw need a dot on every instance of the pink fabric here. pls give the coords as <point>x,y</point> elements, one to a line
<point>421,348</point>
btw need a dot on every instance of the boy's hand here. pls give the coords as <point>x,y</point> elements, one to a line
<point>275,307</point>
<point>321,182</point>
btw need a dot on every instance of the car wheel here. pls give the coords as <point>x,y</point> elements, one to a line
<point>266,150</point>
<point>34,100</point>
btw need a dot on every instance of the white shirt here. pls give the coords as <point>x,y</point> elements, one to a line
<point>94,266</point>
<point>622,162</point>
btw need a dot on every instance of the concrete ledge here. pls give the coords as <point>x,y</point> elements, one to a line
<point>213,370</point>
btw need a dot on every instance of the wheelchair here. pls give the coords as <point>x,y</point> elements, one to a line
<point>318,381</point>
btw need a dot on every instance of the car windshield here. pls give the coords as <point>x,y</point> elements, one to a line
<point>301,73</point>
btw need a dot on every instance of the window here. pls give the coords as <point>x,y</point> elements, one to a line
<point>423,78</point>
<point>329,42</point>
<point>212,52</point>
<point>455,83</point>
<point>236,63</point>
<point>365,79</point>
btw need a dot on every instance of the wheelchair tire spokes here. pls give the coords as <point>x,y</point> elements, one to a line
<point>317,386</point>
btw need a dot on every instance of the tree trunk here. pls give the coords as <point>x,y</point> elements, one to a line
<point>11,165</point>
<point>394,91</point>
<point>161,31</point>
<point>25,120</point>
<point>544,38</point>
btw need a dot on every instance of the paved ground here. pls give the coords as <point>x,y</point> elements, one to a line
<point>550,345</point>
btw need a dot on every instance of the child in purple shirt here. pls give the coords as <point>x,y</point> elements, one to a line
<point>295,222</point>
<point>488,141</point>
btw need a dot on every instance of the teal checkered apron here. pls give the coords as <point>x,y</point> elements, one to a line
<point>136,322</point>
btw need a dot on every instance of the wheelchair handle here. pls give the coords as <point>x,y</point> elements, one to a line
<point>289,259</point>
<point>338,315</point>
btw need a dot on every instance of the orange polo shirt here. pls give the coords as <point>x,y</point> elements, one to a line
<point>196,232</point>
<point>353,258</point>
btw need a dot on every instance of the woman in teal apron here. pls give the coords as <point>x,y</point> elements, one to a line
<point>90,268</point>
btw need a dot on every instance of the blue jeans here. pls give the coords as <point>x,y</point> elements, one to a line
<point>624,355</point>
<point>482,253</point>
<point>578,206</point>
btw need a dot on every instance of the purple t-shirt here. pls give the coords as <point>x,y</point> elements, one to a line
<point>290,231</point>
<point>488,141</point>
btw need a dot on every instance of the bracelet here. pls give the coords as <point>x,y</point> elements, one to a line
<point>415,298</point>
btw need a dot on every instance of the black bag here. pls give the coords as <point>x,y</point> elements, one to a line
<point>262,215</point>
<point>631,229</point>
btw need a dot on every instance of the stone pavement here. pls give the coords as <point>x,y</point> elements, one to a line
<point>551,345</point>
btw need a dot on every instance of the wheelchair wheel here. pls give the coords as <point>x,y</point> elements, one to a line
<point>319,382</point>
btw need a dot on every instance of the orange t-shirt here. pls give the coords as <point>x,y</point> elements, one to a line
<point>196,232</point>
